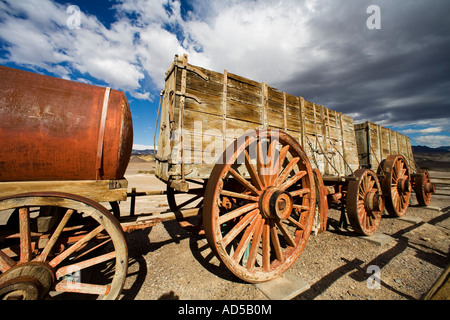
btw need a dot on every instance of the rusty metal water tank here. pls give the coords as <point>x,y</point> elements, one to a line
<point>53,129</point>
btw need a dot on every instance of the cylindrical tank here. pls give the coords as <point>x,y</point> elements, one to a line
<point>53,129</point>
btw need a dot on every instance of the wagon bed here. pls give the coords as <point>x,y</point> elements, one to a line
<point>212,109</point>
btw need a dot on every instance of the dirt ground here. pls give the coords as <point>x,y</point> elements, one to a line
<point>167,262</point>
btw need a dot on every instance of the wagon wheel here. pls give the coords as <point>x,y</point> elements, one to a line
<point>321,200</point>
<point>365,203</point>
<point>259,205</point>
<point>188,200</point>
<point>78,251</point>
<point>396,185</point>
<point>423,188</point>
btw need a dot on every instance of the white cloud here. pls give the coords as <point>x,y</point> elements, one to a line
<point>260,40</point>
<point>423,131</point>
<point>433,141</point>
<point>43,40</point>
<point>142,147</point>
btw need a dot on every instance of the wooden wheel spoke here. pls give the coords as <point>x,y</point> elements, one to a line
<point>404,200</point>
<point>5,262</point>
<point>253,174</point>
<point>300,192</point>
<point>283,176</point>
<point>237,212</point>
<point>241,225</point>
<point>55,236</point>
<point>276,241</point>
<point>75,247</point>
<point>296,223</point>
<point>266,246</point>
<point>196,182</point>
<point>273,165</point>
<point>260,163</point>
<point>255,244</point>
<point>300,207</point>
<point>281,158</point>
<point>244,182</point>
<point>287,236</point>
<point>25,235</point>
<point>238,195</point>
<point>85,288</point>
<point>196,191</point>
<point>84,264</point>
<point>245,240</point>
<point>293,180</point>
<point>189,201</point>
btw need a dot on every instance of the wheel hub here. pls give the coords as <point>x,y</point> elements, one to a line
<point>429,187</point>
<point>28,281</point>
<point>374,202</point>
<point>404,186</point>
<point>276,204</point>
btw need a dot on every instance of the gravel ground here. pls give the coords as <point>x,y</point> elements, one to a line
<point>167,262</point>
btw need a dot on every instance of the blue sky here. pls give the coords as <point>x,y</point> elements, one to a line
<point>397,76</point>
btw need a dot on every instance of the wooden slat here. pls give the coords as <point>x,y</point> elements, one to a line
<point>99,191</point>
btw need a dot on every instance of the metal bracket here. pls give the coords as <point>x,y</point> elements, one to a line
<point>188,95</point>
<point>188,68</point>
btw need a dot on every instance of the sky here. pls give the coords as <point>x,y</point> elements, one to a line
<point>386,61</point>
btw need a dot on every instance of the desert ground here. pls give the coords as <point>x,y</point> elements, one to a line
<point>168,262</point>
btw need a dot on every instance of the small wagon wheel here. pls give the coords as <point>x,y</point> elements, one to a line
<point>423,188</point>
<point>259,205</point>
<point>396,185</point>
<point>78,251</point>
<point>365,203</point>
<point>188,200</point>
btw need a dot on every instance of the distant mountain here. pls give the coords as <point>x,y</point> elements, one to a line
<point>146,152</point>
<point>425,149</point>
<point>445,148</point>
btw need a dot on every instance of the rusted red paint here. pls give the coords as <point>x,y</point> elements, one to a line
<point>50,129</point>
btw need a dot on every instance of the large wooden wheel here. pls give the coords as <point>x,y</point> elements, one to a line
<point>423,188</point>
<point>396,185</point>
<point>365,203</point>
<point>259,205</point>
<point>60,246</point>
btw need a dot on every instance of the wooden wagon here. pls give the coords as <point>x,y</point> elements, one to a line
<point>390,154</point>
<point>257,161</point>
<point>249,166</point>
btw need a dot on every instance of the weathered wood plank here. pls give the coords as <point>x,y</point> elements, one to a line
<point>99,191</point>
